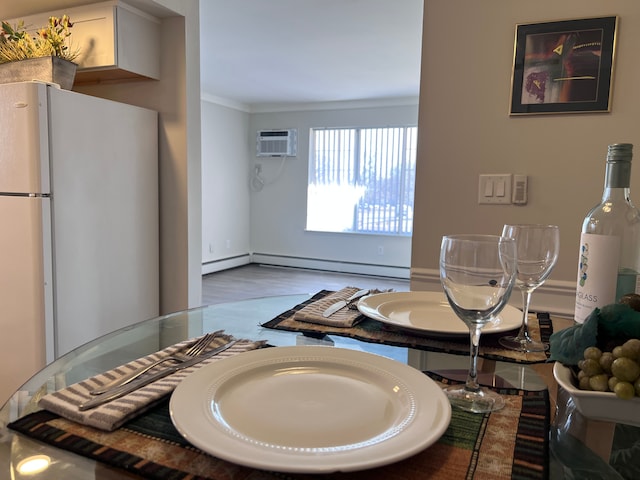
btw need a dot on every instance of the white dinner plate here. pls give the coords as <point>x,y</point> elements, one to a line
<point>429,312</point>
<point>309,409</point>
<point>603,406</point>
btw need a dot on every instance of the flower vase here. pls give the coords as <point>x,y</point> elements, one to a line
<point>44,69</point>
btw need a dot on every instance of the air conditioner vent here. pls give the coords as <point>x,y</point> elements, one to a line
<point>277,143</point>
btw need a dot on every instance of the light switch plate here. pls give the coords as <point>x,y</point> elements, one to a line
<point>495,189</point>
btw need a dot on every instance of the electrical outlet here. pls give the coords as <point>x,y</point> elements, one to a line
<point>380,250</point>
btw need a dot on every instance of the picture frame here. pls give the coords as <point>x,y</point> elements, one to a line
<point>564,66</point>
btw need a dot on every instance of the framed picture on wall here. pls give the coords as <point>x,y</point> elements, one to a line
<point>563,67</point>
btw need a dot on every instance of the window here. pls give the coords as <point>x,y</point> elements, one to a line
<point>362,180</point>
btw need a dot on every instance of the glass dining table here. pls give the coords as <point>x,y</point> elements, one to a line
<point>568,456</point>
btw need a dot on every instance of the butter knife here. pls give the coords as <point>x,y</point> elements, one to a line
<point>343,303</point>
<point>122,390</point>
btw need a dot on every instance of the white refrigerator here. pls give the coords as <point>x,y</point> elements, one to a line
<point>79,234</point>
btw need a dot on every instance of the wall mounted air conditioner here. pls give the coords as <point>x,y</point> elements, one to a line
<point>277,143</point>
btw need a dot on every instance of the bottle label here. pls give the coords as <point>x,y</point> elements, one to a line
<point>597,273</point>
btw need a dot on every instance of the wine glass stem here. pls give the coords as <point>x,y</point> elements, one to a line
<point>472,378</point>
<point>523,334</point>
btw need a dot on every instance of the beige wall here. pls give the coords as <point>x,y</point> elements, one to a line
<point>465,130</point>
<point>226,211</point>
<point>177,97</point>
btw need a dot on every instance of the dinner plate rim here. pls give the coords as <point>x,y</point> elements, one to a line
<point>431,419</point>
<point>509,322</point>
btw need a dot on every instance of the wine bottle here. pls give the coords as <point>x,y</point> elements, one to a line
<point>609,259</point>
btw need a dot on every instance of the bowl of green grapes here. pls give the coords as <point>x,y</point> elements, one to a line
<point>605,385</point>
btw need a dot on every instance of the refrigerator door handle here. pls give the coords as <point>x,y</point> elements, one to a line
<point>27,195</point>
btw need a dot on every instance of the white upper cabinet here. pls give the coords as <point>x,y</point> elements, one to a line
<point>116,40</point>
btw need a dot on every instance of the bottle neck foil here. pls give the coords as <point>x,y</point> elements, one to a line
<point>618,171</point>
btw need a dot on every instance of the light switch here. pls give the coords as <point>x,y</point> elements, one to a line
<point>494,189</point>
<point>488,189</point>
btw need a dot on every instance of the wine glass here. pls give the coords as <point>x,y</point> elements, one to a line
<point>538,247</point>
<point>477,274</point>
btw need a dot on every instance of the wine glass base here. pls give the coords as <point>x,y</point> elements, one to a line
<point>479,401</point>
<point>523,344</point>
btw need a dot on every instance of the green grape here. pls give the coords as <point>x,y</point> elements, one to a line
<point>592,352</point>
<point>590,367</point>
<point>599,382</point>
<point>631,349</point>
<point>605,361</point>
<point>625,369</point>
<point>617,352</point>
<point>637,386</point>
<point>624,390</point>
<point>613,381</point>
<point>584,383</point>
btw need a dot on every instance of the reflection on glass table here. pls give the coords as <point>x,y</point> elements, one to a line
<point>241,319</point>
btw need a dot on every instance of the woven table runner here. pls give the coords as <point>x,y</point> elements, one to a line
<point>511,443</point>
<point>373,331</point>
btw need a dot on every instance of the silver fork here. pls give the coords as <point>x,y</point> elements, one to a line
<point>179,356</point>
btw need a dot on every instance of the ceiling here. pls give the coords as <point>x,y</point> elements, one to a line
<point>266,52</point>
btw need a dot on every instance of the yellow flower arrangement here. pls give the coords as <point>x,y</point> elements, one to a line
<point>52,40</point>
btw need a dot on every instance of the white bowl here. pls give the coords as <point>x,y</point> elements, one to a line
<point>603,406</point>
